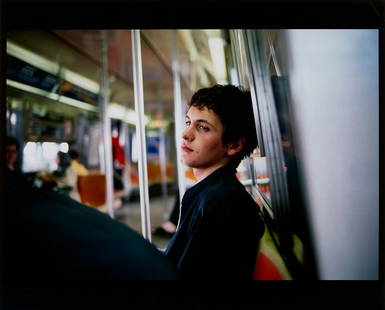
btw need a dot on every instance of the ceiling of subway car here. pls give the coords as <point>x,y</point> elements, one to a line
<point>80,52</point>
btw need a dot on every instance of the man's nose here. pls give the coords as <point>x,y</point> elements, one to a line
<point>187,134</point>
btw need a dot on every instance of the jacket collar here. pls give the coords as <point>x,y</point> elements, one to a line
<point>212,179</point>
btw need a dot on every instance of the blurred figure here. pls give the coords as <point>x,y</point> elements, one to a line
<point>12,151</point>
<point>13,172</point>
<point>66,176</point>
<point>64,179</point>
<point>118,159</point>
<point>80,169</point>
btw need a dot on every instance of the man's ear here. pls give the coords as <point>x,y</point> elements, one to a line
<point>235,146</point>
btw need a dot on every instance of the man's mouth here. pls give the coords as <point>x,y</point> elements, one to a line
<point>186,148</point>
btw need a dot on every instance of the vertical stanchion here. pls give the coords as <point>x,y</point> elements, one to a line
<point>163,168</point>
<point>106,127</point>
<point>178,116</point>
<point>141,133</point>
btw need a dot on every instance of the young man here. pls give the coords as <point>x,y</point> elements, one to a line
<point>220,226</point>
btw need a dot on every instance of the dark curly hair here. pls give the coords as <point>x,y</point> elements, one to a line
<point>234,107</point>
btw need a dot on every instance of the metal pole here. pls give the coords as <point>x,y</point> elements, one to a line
<point>178,118</point>
<point>106,127</point>
<point>235,48</point>
<point>253,91</point>
<point>163,168</point>
<point>140,130</point>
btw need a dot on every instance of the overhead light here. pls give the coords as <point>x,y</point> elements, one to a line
<point>80,80</point>
<point>77,103</point>
<point>32,58</point>
<point>51,67</point>
<point>52,96</point>
<point>118,111</point>
<point>114,110</point>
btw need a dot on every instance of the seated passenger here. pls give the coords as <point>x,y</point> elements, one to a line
<point>76,165</point>
<point>13,172</point>
<point>220,225</point>
<point>64,179</point>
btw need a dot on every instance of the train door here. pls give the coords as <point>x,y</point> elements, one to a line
<point>271,170</point>
<point>303,103</point>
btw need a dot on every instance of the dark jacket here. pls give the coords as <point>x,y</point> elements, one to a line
<point>219,231</point>
<point>56,249</point>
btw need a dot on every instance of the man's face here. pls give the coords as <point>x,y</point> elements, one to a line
<point>11,154</point>
<point>202,145</point>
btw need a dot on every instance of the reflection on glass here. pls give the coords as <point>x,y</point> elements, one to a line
<point>260,172</point>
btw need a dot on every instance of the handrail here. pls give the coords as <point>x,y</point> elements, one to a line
<point>140,131</point>
<point>106,128</point>
<point>178,118</point>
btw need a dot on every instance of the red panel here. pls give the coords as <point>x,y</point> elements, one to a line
<point>265,269</point>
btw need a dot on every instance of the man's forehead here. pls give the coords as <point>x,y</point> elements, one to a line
<point>200,110</point>
<point>195,112</point>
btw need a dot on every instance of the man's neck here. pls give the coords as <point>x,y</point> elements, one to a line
<point>201,173</point>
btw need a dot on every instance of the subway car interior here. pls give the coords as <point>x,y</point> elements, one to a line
<point>118,97</point>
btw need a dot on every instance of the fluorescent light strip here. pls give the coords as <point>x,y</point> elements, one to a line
<point>78,104</point>
<point>114,110</point>
<point>80,80</point>
<point>53,96</point>
<point>51,67</point>
<point>32,58</point>
<point>117,111</point>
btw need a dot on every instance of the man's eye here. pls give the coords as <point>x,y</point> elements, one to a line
<point>204,128</point>
<point>187,123</point>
